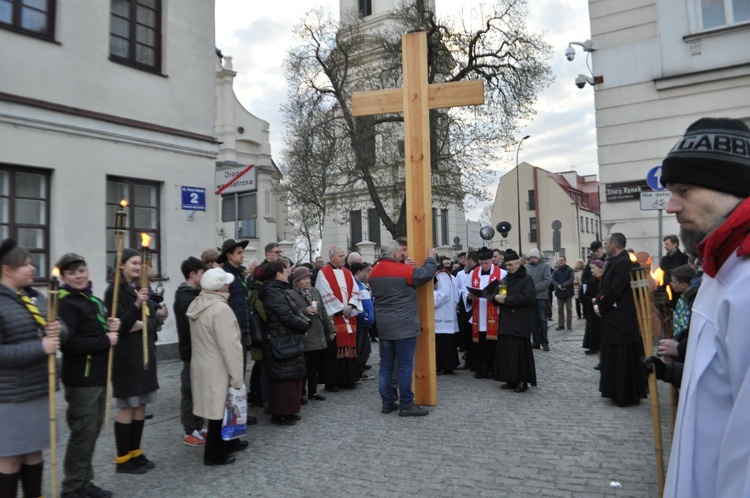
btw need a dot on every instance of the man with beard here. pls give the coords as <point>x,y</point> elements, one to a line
<point>708,174</point>
<point>622,347</point>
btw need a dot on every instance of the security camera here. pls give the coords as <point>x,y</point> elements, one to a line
<point>582,79</point>
<point>570,53</point>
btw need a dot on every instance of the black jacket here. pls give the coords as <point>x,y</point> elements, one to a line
<point>183,296</point>
<point>517,312</point>
<point>669,262</point>
<point>616,303</point>
<point>23,362</point>
<point>86,352</point>
<point>128,376</point>
<point>283,318</point>
<point>238,294</point>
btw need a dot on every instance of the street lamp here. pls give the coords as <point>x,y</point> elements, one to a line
<point>518,196</point>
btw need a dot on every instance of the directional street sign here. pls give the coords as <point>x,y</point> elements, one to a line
<point>653,179</point>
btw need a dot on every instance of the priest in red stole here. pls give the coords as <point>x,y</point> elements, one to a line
<point>341,300</point>
<point>484,315</point>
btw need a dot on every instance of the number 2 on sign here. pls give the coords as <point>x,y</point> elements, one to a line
<point>193,198</point>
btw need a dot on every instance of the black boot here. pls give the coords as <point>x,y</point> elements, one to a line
<point>31,479</point>
<point>9,484</point>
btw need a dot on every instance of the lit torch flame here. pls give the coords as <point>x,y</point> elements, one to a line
<point>632,257</point>
<point>124,203</point>
<point>658,275</point>
<point>55,272</point>
<point>145,239</point>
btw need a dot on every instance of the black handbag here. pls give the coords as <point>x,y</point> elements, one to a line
<point>257,327</point>
<point>286,346</point>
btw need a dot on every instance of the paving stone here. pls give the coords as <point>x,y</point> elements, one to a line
<point>559,439</point>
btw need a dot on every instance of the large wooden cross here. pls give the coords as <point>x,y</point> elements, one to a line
<point>415,100</point>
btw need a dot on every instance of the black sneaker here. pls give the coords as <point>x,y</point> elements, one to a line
<point>143,461</point>
<point>130,467</point>
<point>390,408</point>
<point>545,347</point>
<point>412,411</point>
<point>94,491</point>
<point>76,493</point>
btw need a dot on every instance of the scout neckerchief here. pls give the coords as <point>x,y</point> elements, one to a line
<point>346,337</point>
<point>492,310</point>
<point>32,308</point>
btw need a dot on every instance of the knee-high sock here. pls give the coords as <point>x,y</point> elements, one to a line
<point>122,440</point>
<point>9,484</point>
<point>136,432</point>
<point>31,480</point>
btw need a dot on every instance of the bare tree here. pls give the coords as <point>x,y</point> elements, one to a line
<point>342,157</point>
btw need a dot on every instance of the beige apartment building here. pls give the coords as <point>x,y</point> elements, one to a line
<point>664,64</point>
<point>558,212</point>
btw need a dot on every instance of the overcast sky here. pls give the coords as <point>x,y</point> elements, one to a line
<point>257,35</point>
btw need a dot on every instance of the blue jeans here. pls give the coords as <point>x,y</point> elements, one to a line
<point>402,350</point>
<point>539,323</point>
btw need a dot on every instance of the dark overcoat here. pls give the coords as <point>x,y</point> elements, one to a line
<point>616,303</point>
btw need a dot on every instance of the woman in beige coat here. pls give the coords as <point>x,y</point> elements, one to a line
<point>216,361</point>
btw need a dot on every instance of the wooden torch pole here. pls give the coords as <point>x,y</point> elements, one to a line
<point>119,237</point>
<point>52,295</point>
<point>145,265</point>
<point>642,297</point>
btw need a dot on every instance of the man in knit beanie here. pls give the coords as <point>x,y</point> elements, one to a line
<point>708,174</point>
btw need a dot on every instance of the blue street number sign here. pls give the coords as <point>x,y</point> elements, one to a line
<point>653,179</point>
<point>193,198</point>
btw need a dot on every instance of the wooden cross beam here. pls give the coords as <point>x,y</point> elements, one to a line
<point>415,100</point>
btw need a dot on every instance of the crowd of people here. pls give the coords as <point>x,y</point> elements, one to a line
<point>311,325</point>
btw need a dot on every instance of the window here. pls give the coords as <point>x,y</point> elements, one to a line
<point>718,13</point>
<point>587,225</point>
<point>365,8</point>
<point>355,221</point>
<point>434,227</point>
<point>143,216</point>
<point>135,33</point>
<point>532,229</point>
<point>532,200</point>
<point>31,17</point>
<point>444,226</point>
<point>373,226</point>
<point>24,213</point>
<point>242,208</point>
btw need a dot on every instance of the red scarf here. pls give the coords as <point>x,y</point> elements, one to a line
<point>492,311</point>
<point>733,234</point>
<point>346,342</point>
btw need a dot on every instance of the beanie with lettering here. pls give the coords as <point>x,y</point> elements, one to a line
<point>714,153</point>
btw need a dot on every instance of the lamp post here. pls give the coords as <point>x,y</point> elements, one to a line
<point>518,195</point>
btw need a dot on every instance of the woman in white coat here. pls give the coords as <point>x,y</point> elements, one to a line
<point>216,361</point>
<point>446,324</point>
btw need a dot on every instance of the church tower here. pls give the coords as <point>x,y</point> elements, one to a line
<point>355,224</point>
